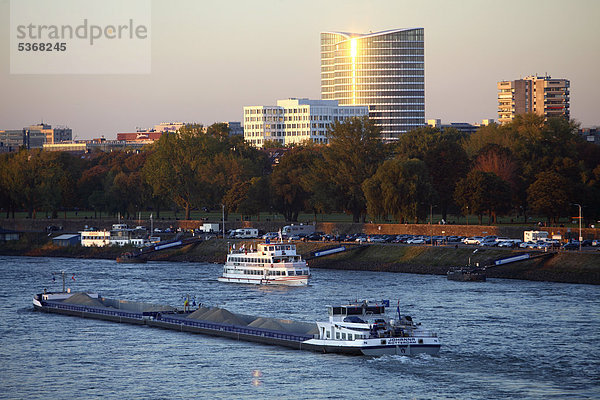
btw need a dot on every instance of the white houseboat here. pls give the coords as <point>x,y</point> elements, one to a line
<point>268,264</point>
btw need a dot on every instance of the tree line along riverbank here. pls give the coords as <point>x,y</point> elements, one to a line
<point>568,267</point>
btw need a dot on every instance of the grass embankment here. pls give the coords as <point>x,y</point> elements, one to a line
<point>571,267</point>
<point>568,267</point>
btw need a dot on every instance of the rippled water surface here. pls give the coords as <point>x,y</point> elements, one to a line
<point>500,339</point>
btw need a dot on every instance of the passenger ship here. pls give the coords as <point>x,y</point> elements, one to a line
<point>268,264</point>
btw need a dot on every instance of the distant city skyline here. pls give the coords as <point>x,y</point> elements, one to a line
<point>211,59</point>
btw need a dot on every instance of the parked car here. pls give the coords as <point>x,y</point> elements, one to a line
<point>376,239</point>
<point>416,240</point>
<point>271,235</point>
<point>506,243</point>
<point>473,240</point>
<point>571,246</point>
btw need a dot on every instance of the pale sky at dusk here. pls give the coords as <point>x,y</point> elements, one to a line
<point>209,59</point>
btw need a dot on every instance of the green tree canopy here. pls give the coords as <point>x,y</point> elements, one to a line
<point>550,195</point>
<point>401,188</point>
<point>353,155</point>
<point>483,192</point>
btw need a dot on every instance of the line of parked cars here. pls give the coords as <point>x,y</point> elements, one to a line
<point>484,241</point>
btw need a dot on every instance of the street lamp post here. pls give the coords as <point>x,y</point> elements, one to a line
<point>580,238</point>
<point>431,222</point>
<point>223,205</point>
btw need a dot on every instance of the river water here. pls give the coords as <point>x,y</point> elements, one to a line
<point>500,339</point>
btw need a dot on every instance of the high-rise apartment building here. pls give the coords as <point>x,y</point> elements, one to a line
<point>295,120</point>
<point>541,95</point>
<point>383,70</point>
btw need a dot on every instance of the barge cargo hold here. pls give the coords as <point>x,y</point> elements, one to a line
<point>220,322</point>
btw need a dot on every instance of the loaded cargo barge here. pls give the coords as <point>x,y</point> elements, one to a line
<point>347,332</point>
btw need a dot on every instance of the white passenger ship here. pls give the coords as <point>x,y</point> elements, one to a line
<point>363,328</point>
<point>268,264</point>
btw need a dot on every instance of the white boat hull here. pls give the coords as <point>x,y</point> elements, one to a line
<point>377,347</point>
<point>288,281</point>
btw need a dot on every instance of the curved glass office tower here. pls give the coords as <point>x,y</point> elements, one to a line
<point>383,70</point>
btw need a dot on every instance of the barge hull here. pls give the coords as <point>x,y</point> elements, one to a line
<point>178,321</point>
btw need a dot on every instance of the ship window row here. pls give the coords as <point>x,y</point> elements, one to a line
<point>254,260</point>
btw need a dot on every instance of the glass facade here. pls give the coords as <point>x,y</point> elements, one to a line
<point>384,71</point>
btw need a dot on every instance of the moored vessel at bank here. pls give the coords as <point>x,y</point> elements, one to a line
<point>466,275</point>
<point>268,264</point>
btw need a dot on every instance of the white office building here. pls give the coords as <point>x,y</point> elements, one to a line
<point>295,120</point>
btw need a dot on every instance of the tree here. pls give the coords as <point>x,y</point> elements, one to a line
<point>549,195</point>
<point>444,155</point>
<point>218,130</point>
<point>249,197</point>
<point>400,188</point>
<point>173,168</point>
<point>353,155</point>
<point>288,194</point>
<point>193,168</point>
<point>483,192</point>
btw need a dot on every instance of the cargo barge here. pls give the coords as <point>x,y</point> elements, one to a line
<point>348,331</point>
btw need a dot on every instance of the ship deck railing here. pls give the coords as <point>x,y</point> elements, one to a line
<point>95,310</point>
<point>237,329</point>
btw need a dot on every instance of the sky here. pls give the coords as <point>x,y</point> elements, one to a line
<point>211,58</point>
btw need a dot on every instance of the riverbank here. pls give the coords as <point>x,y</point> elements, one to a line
<point>568,267</point>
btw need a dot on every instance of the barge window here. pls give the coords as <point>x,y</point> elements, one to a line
<point>354,310</point>
<point>343,336</point>
<point>328,335</point>
<point>350,336</point>
<point>337,335</point>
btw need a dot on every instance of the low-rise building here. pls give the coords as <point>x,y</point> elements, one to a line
<point>67,240</point>
<point>591,135</point>
<point>459,126</point>
<point>119,235</point>
<point>295,120</point>
<point>33,137</point>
